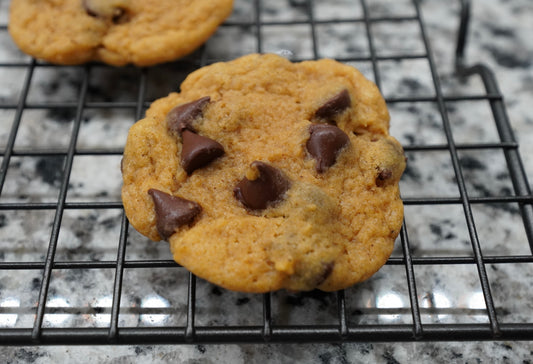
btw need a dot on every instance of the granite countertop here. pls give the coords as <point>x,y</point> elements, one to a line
<point>500,37</point>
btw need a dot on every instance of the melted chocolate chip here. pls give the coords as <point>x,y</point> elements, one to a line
<point>120,16</point>
<point>172,212</point>
<point>181,117</point>
<point>326,272</point>
<point>198,151</point>
<point>334,106</point>
<point>267,189</point>
<point>88,9</point>
<point>383,176</point>
<point>101,9</point>
<point>324,144</point>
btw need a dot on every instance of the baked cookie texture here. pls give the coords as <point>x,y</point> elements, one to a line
<point>304,193</point>
<point>117,32</point>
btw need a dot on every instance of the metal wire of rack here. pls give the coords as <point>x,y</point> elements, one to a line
<point>194,329</point>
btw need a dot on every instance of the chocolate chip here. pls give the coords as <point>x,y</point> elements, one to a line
<point>120,16</point>
<point>334,106</point>
<point>112,10</point>
<point>181,117</point>
<point>172,212</point>
<point>198,151</point>
<point>327,269</point>
<point>324,144</point>
<point>265,188</point>
<point>88,9</point>
<point>383,176</point>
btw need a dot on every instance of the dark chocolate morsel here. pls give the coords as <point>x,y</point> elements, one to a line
<point>334,106</point>
<point>382,177</point>
<point>120,16</point>
<point>267,189</point>
<point>198,151</point>
<point>105,11</point>
<point>182,116</point>
<point>326,272</point>
<point>172,212</point>
<point>88,9</point>
<point>324,145</point>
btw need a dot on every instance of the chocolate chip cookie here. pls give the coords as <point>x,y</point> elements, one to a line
<point>117,32</point>
<point>264,174</point>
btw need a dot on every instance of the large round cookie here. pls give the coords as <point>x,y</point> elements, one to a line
<point>265,174</point>
<point>117,32</point>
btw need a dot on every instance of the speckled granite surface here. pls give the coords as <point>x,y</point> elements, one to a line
<point>500,36</point>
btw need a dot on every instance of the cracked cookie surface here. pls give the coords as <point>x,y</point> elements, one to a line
<point>117,32</point>
<point>302,192</point>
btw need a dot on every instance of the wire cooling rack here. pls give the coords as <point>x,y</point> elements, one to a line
<point>72,271</point>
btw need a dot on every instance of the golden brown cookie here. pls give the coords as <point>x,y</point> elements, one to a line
<point>265,174</point>
<point>117,32</point>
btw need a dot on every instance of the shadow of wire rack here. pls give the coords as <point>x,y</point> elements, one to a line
<point>72,271</point>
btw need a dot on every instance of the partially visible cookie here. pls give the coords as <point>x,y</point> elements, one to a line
<point>265,174</point>
<point>117,32</point>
